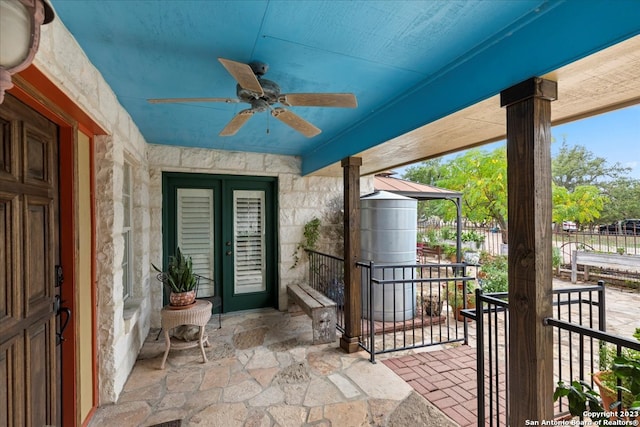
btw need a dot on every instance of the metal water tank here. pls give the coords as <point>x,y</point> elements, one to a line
<point>388,236</point>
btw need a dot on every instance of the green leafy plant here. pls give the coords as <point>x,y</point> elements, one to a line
<point>448,233</point>
<point>582,398</point>
<point>179,276</point>
<point>450,251</point>
<point>455,295</point>
<point>433,237</point>
<point>620,251</point>
<point>472,236</point>
<point>311,234</point>
<point>494,274</point>
<point>556,258</point>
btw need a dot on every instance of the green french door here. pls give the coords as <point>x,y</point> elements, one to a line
<point>227,224</point>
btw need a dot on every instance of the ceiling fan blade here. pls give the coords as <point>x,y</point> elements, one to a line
<point>345,100</point>
<point>236,123</point>
<point>172,100</point>
<point>243,75</point>
<point>296,122</point>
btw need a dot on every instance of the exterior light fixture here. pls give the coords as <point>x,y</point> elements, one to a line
<point>20,22</point>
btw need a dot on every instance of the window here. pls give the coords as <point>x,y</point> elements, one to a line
<point>127,276</point>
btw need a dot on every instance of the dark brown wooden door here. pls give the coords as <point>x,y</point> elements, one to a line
<point>28,256</point>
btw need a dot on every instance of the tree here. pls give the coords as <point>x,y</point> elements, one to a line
<point>582,205</point>
<point>481,177</point>
<point>624,199</point>
<point>429,172</point>
<point>575,166</point>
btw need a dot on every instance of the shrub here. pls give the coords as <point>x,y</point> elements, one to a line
<point>494,274</point>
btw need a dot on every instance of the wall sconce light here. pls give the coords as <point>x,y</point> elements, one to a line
<point>20,22</point>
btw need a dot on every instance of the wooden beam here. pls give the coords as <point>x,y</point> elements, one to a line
<point>352,293</point>
<point>530,268</point>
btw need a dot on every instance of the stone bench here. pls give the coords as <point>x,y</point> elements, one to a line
<point>321,309</point>
<point>622,263</point>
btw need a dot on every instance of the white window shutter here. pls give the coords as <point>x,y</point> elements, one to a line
<point>195,233</point>
<point>249,241</point>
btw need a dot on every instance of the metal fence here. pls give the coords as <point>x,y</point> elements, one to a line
<point>412,306</point>
<point>565,243</point>
<point>578,332</point>
<point>403,306</point>
<point>326,275</point>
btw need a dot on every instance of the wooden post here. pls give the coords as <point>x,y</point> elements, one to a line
<point>352,293</point>
<point>530,266</point>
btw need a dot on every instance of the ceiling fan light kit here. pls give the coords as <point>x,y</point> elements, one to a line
<point>262,94</point>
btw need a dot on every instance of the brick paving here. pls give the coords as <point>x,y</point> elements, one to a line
<point>446,378</point>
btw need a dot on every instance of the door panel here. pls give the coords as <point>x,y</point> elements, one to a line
<point>28,253</point>
<point>250,279</point>
<point>226,224</point>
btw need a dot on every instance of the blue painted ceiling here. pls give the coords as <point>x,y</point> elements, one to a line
<point>408,62</point>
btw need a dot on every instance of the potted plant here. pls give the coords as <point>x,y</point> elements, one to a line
<point>179,279</point>
<point>604,402</point>
<point>456,297</point>
<point>451,252</point>
<point>626,368</point>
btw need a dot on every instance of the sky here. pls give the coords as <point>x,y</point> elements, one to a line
<point>614,136</point>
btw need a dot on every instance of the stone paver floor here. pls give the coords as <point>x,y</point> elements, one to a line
<point>264,371</point>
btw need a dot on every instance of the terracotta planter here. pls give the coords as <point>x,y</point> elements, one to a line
<point>180,299</point>
<point>470,304</point>
<point>609,396</point>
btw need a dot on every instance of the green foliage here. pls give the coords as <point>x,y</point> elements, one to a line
<point>433,237</point>
<point>447,233</point>
<point>482,178</point>
<point>494,275</point>
<point>576,166</point>
<point>429,172</point>
<point>472,236</point>
<point>179,275</point>
<point>450,250</point>
<point>311,234</point>
<point>582,205</point>
<point>556,258</point>
<point>455,294</point>
<point>582,398</point>
<point>624,199</point>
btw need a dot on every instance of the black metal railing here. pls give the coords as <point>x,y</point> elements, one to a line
<point>406,306</point>
<point>408,303</point>
<point>575,357</point>
<point>326,275</point>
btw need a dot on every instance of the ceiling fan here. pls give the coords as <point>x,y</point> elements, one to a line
<point>262,94</point>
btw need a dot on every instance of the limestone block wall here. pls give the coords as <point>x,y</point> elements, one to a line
<point>300,199</point>
<point>121,327</point>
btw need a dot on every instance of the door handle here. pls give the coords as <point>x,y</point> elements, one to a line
<point>59,310</point>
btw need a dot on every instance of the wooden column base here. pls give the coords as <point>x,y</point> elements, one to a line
<point>350,344</point>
